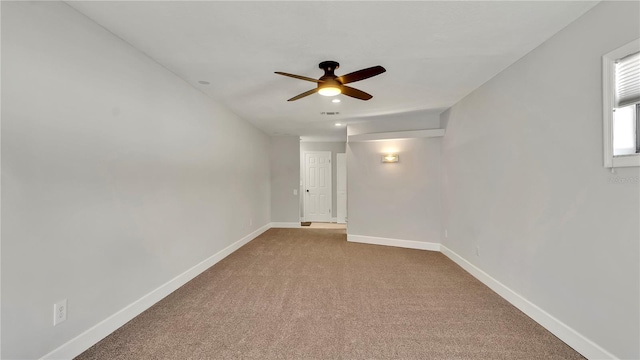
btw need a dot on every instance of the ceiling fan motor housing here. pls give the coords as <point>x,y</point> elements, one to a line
<point>329,79</point>
<point>329,67</point>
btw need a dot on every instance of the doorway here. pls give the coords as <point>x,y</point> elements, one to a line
<point>317,186</point>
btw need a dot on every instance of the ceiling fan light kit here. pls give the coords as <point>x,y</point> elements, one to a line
<point>331,85</point>
<point>325,89</point>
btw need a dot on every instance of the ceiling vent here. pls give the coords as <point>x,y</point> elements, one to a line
<point>330,113</point>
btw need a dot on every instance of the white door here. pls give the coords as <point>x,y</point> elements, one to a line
<point>317,191</point>
<point>341,184</point>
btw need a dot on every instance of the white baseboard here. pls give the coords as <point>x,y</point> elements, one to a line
<point>410,244</point>
<point>82,342</point>
<point>579,342</point>
<point>334,220</point>
<point>285,225</point>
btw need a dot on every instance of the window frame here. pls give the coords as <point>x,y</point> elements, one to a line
<point>608,104</point>
<point>637,128</point>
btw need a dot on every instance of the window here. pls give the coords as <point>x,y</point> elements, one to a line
<point>621,106</point>
<point>625,130</point>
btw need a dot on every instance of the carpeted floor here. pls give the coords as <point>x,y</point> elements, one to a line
<point>323,225</point>
<point>309,294</point>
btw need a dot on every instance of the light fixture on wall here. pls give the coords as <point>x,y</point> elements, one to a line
<point>390,158</point>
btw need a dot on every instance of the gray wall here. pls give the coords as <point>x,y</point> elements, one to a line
<point>335,148</point>
<point>285,177</point>
<point>117,176</point>
<point>523,180</point>
<point>400,200</point>
<point>415,120</point>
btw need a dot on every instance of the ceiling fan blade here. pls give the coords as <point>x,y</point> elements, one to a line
<point>306,93</point>
<point>355,93</point>
<point>361,74</point>
<point>298,77</point>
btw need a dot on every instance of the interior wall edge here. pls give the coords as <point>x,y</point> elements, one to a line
<point>407,244</point>
<point>93,335</point>
<point>567,334</point>
<point>285,225</point>
<point>570,336</point>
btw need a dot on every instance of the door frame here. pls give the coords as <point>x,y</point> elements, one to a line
<point>304,183</point>
<point>341,219</point>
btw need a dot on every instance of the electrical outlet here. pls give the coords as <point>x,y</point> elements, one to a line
<point>250,221</point>
<point>446,233</point>
<point>477,250</point>
<point>59,312</point>
<point>295,191</point>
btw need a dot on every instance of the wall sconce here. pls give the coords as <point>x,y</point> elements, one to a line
<point>390,158</point>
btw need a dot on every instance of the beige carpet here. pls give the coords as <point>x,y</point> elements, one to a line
<point>322,225</point>
<point>309,294</point>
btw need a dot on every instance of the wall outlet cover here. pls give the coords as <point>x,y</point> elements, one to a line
<point>59,312</point>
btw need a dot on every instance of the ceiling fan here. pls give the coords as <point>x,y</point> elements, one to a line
<point>331,85</point>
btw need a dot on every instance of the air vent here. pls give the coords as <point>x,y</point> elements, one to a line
<point>330,113</point>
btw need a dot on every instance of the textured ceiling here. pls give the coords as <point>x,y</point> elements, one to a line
<point>435,52</point>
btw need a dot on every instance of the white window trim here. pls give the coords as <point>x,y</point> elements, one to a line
<point>608,104</point>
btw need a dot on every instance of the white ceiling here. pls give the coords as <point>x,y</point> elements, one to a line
<point>435,52</point>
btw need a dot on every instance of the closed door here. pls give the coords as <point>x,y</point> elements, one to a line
<point>341,184</point>
<point>317,192</point>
